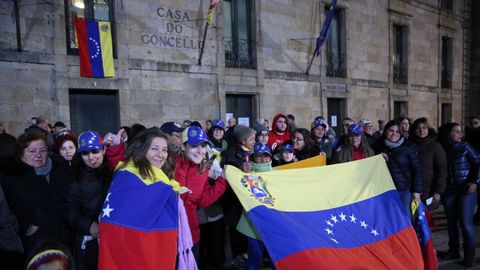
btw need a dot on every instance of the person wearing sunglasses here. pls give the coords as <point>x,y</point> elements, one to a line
<point>92,177</point>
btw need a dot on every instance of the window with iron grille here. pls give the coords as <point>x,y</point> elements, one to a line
<point>400,54</point>
<point>336,61</point>
<point>238,33</point>
<point>101,10</point>
<point>446,62</point>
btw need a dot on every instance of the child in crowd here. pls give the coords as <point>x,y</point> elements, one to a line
<point>285,155</point>
<point>262,162</point>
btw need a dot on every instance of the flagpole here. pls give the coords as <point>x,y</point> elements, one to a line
<point>17,25</point>
<point>203,44</point>
<point>310,64</point>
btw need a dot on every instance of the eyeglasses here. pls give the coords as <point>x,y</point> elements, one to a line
<point>86,153</point>
<point>35,151</point>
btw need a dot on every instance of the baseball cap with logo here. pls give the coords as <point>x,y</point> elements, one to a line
<point>286,147</point>
<point>354,129</point>
<point>170,127</point>
<point>218,123</point>
<point>260,149</point>
<point>194,136</point>
<point>89,140</point>
<point>319,122</point>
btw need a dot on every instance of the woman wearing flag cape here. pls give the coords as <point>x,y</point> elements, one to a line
<point>143,223</point>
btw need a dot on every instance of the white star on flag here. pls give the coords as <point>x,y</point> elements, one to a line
<point>342,216</point>
<point>108,196</point>
<point>353,218</point>
<point>328,231</point>
<point>363,224</point>
<point>329,223</point>
<point>374,232</point>
<point>334,218</point>
<point>334,240</point>
<point>107,210</point>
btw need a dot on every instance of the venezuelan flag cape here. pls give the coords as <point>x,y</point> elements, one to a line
<point>345,216</point>
<point>138,225</point>
<point>95,47</point>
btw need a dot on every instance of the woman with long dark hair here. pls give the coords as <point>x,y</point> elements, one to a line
<point>460,198</point>
<point>355,147</point>
<point>303,144</point>
<point>145,202</point>
<point>85,198</point>
<point>403,163</point>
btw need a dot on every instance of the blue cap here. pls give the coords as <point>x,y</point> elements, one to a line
<point>354,129</point>
<point>319,122</point>
<point>286,147</point>
<point>194,136</point>
<point>170,127</point>
<point>89,140</point>
<point>218,123</point>
<point>261,148</point>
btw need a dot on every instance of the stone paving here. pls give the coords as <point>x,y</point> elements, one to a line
<point>440,239</point>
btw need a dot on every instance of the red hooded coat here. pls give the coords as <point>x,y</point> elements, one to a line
<point>275,139</point>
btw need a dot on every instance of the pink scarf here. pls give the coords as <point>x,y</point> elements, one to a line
<point>186,260</point>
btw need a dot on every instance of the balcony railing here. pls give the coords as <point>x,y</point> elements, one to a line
<point>336,65</point>
<point>238,53</point>
<point>400,74</point>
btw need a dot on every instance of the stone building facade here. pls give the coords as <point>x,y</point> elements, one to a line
<point>388,57</point>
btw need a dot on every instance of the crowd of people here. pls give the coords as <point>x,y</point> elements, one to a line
<point>54,181</point>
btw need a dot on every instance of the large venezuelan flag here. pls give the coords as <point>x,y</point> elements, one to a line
<point>345,216</point>
<point>95,46</point>
<point>138,225</point>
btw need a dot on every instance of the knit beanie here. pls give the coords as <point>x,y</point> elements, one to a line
<point>242,132</point>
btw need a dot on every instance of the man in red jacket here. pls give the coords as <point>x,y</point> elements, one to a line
<point>279,134</point>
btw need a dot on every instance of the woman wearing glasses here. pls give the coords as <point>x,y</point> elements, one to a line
<point>85,197</point>
<point>34,186</point>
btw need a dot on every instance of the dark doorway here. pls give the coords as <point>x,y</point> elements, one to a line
<point>242,107</point>
<point>446,113</point>
<point>96,110</point>
<point>400,109</point>
<point>336,112</point>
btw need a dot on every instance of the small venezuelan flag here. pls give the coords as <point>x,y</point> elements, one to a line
<point>95,46</point>
<point>345,216</point>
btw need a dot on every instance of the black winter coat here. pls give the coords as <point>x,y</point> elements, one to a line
<point>463,164</point>
<point>84,199</point>
<point>434,165</point>
<point>36,201</point>
<point>404,165</point>
<point>232,207</point>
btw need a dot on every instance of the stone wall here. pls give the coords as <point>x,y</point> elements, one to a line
<point>158,78</point>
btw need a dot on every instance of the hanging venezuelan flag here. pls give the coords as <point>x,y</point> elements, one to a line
<point>95,46</point>
<point>345,216</point>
